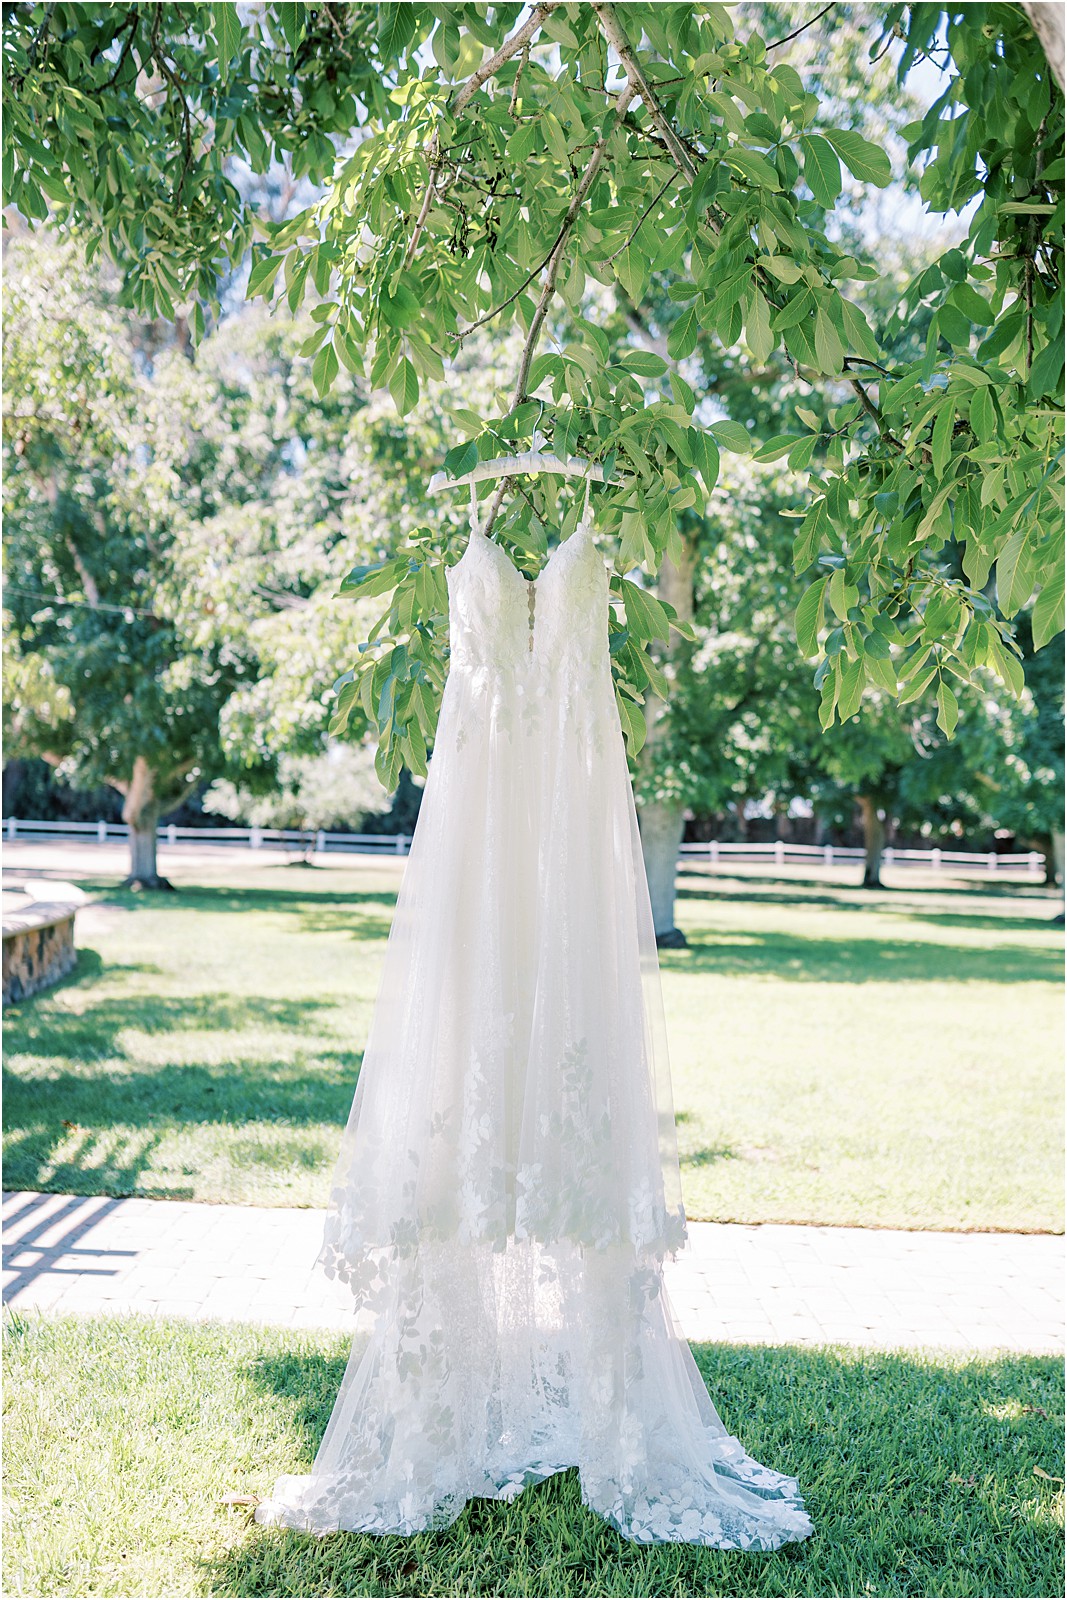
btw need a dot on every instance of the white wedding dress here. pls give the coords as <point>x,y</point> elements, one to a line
<point>508,1183</point>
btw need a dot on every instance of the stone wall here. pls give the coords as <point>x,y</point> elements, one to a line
<point>38,948</point>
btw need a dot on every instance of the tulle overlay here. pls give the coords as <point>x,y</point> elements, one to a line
<point>508,1183</point>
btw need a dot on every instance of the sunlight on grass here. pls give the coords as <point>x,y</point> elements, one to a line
<point>838,1056</point>
<point>123,1437</point>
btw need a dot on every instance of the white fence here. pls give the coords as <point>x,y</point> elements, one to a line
<point>781,854</point>
<point>301,839</point>
<point>776,853</point>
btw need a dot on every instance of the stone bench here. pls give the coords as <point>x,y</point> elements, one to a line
<point>38,947</point>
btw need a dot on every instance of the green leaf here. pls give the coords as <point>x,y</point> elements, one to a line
<point>983,414</point>
<point>682,392</point>
<point>462,458</point>
<point>555,138</point>
<point>808,618</point>
<point>644,363</point>
<point>858,331</point>
<point>681,341</point>
<point>1047,619</point>
<point>396,24</point>
<point>1006,666</point>
<point>1046,374</point>
<point>633,722</point>
<point>399,309</point>
<point>324,370</point>
<point>758,328</point>
<point>853,681</point>
<point>645,616</point>
<point>404,387</point>
<point>842,594</point>
<point>705,457</point>
<point>948,710</point>
<point>941,437</point>
<point>631,269</point>
<point>800,456</point>
<point>828,347</point>
<point>263,273</point>
<point>228,36</point>
<point>867,162</point>
<point>822,170</point>
<point>973,305</point>
<point>377,579</point>
<point>752,166</point>
<point>733,436</point>
<point>1015,571</point>
<point>780,444</point>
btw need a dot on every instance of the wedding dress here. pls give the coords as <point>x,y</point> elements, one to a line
<point>508,1184</point>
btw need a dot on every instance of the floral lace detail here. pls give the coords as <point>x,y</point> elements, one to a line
<point>508,1188</point>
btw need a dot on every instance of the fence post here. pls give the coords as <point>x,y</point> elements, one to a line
<point>991,861</point>
<point>12,827</point>
<point>255,838</point>
<point>172,833</point>
<point>779,852</point>
<point>887,855</point>
<point>399,845</point>
<point>935,859</point>
<point>101,833</point>
<point>828,854</point>
<point>1035,862</point>
<point>320,841</point>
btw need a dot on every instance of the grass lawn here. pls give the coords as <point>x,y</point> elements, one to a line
<point>923,1474</point>
<point>888,1058</point>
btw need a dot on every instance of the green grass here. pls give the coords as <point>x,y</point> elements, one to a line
<point>924,1474</point>
<point>838,1056</point>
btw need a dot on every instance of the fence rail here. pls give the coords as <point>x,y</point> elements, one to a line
<point>781,854</point>
<point>316,839</point>
<point>322,841</point>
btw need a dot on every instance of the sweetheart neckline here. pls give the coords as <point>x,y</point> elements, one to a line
<point>528,582</point>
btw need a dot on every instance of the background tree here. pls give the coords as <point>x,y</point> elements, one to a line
<point>499,172</point>
<point>96,455</point>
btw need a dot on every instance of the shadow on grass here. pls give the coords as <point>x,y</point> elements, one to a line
<point>795,958</point>
<point>341,909</point>
<point>38,1028</point>
<point>918,1473</point>
<point>770,890</point>
<point>72,1133</point>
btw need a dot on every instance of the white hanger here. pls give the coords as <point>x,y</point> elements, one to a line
<point>536,459</point>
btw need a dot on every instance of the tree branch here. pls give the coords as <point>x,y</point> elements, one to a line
<point>504,54</point>
<point>775,43</point>
<point>615,36</point>
<point>655,199</point>
<point>548,288</point>
<point>427,201</point>
<point>159,57</point>
<point>132,19</point>
<point>873,412</point>
<point>519,40</point>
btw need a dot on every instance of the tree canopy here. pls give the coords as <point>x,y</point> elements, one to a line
<point>502,165</point>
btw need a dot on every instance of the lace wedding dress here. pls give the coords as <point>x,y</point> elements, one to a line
<point>508,1184</point>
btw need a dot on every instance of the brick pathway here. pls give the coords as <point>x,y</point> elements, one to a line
<point>771,1284</point>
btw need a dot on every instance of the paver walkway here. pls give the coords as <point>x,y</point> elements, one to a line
<point>771,1283</point>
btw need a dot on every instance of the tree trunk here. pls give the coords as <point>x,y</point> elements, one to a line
<point>662,822</point>
<point>12,778</point>
<point>141,810</point>
<point>1046,19</point>
<point>661,834</point>
<point>1054,860</point>
<point>874,841</point>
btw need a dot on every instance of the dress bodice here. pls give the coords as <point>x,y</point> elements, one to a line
<point>501,622</point>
